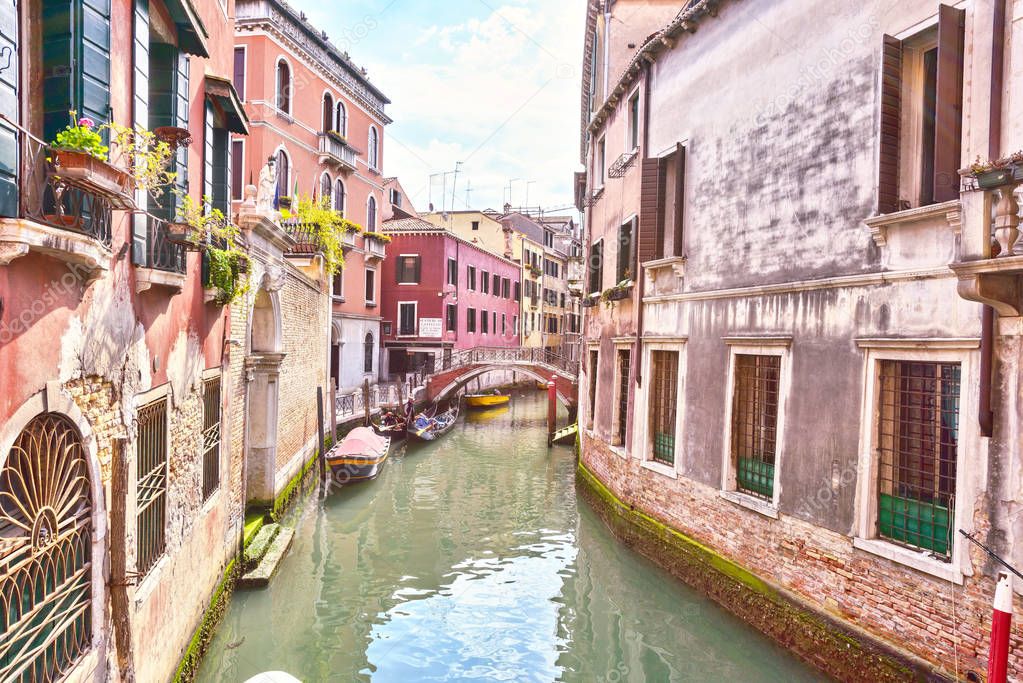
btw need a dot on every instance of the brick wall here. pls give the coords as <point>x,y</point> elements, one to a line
<point>933,619</point>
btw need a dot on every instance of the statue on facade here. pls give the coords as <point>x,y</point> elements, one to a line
<point>267,189</point>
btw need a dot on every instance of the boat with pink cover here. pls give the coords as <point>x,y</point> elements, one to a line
<point>359,456</point>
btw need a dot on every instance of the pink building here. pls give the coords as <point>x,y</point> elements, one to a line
<point>441,293</point>
<point>319,117</point>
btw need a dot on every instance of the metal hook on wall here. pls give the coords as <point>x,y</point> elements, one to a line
<point>6,51</point>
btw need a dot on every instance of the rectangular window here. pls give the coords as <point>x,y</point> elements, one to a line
<point>371,286</point>
<point>515,324</point>
<point>451,316</point>
<point>594,358</point>
<point>626,252</point>
<point>337,288</point>
<point>633,123</point>
<point>504,324</point>
<point>493,321</point>
<point>918,432</point>
<point>470,320</point>
<point>596,267</point>
<point>151,484</point>
<point>470,277</point>
<point>624,367</point>
<point>407,319</point>
<point>239,72</point>
<point>601,162</point>
<point>485,322</point>
<point>452,272</point>
<point>496,287</point>
<point>518,291</point>
<point>755,422</point>
<point>387,327</point>
<point>211,437</point>
<point>237,169</point>
<point>505,288</point>
<point>485,282</point>
<point>663,403</point>
<point>475,225</point>
<point>548,238</point>
<point>408,269</point>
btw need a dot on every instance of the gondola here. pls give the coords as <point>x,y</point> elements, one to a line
<point>432,427</point>
<point>392,425</point>
<point>359,456</point>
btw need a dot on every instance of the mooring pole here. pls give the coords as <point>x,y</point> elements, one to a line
<point>332,407</point>
<point>552,409</point>
<point>319,428</point>
<point>1001,627</point>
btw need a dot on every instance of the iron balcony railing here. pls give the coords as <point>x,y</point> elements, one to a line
<point>56,202</point>
<point>160,253</point>
<point>333,150</point>
<point>305,236</point>
<point>354,403</point>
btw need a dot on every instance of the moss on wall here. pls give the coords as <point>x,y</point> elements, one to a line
<point>835,648</point>
<point>189,666</point>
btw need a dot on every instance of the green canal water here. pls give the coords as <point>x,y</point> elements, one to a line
<point>472,559</point>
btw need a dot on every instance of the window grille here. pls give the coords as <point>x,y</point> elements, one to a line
<point>755,422</point>
<point>918,435</point>
<point>151,484</point>
<point>623,394</point>
<point>594,357</point>
<point>45,553</point>
<point>211,437</point>
<point>663,399</point>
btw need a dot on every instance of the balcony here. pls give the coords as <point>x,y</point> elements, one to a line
<point>336,151</point>
<point>163,262</point>
<point>348,240</point>
<point>65,213</point>
<point>622,164</point>
<point>375,248</point>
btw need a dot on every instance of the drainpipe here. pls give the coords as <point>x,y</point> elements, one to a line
<point>987,333</point>
<point>641,276</point>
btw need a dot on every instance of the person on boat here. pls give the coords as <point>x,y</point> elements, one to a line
<point>410,409</point>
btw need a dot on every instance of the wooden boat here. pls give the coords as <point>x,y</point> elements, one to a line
<point>542,386</point>
<point>430,428</point>
<point>486,400</point>
<point>359,456</point>
<point>392,425</point>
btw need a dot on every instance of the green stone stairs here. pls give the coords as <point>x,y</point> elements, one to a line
<point>565,434</point>
<point>264,554</point>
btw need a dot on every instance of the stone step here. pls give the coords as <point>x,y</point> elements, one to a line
<point>566,434</point>
<point>262,574</point>
<point>257,548</point>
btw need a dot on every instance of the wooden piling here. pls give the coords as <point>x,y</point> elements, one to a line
<point>319,428</point>
<point>332,407</point>
<point>552,409</point>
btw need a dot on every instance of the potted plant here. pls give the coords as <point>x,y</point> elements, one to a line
<point>337,136</point>
<point>211,231</point>
<point>993,174</point>
<point>330,228</point>
<point>535,270</point>
<point>379,236</point>
<point>81,159</point>
<point>284,202</point>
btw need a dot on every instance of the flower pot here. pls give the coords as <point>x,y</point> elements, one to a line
<point>995,178</point>
<point>284,202</point>
<point>173,136</point>
<point>84,171</point>
<point>620,293</point>
<point>181,233</point>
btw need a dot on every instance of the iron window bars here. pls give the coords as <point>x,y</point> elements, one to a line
<point>624,358</point>
<point>46,557</point>
<point>663,401</point>
<point>755,423</point>
<point>918,435</point>
<point>211,419</point>
<point>151,487</point>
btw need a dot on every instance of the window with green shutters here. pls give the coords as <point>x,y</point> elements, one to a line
<point>755,422</point>
<point>9,97</point>
<point>168,106</point>
<point>216,161</point>
<point>663,402</point>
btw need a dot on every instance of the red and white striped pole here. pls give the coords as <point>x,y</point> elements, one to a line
<point>1001,624</point>
<point>552,408</point>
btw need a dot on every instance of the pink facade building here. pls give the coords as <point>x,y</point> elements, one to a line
<point>442,293</point>
<point>319,117</point>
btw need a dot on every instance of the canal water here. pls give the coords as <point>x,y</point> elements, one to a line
<point>472,559</point>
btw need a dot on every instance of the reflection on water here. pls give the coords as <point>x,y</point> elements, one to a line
<point>469,559</point>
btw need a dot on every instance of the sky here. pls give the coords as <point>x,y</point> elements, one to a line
<point>493,84</point>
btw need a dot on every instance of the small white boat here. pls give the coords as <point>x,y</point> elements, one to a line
<point>273,677</point>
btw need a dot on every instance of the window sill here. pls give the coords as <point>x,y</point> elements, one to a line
<point>337,299</point>
<point>918,560</point>
<point>660,468</point>
<point>880,225</point>
<point>750,503</point>
<point>148,278</point>
<point>371,304</point>
<point>620,452</point>
<point>150,581</point>
<point>404,284</point>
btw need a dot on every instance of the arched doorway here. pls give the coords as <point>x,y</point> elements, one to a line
<point>46,525</point>
<point>264,365</point>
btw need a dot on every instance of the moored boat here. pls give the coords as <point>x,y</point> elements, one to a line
<point>359,456</point>
<point>392,425</point>
<point>486,400</point>
<point>430,428</point>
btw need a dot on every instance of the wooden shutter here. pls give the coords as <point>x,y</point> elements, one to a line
<point>948,114</point>
<point>168,106</point>
<point>891,113</point>
<point>415,271</point>
<point>9,99</point>
<point>678,239</point>
<point>239,72</point>
<point>649,209</point>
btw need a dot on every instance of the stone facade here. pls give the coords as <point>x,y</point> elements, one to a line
<point>754,227</point>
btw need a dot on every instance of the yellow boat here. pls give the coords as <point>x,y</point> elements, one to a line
<point>486,400</point>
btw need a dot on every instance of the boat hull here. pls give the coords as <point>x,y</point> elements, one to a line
<point>486,401</point>
<point>348,470</point>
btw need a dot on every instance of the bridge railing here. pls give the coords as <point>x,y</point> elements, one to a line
<point>353,403</point>
<point>486,355</point>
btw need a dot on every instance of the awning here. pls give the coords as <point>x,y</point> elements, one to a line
<point>192,34</point>
<point>222,93</point>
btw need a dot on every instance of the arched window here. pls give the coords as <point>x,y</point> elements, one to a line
<point>368,351</point>
<point>326,186</point>
<point>341,118</point>
<point>283,173</point>
<point>371,214</point>
<point>283,86</point>
<point>46,523</point>
<point>328,113</point>
<point>374,148</point>
<point>339,196</point>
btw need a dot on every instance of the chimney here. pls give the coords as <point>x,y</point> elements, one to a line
<point>507,208</point>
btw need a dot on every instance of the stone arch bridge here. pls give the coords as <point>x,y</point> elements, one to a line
<point>540,364</point>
